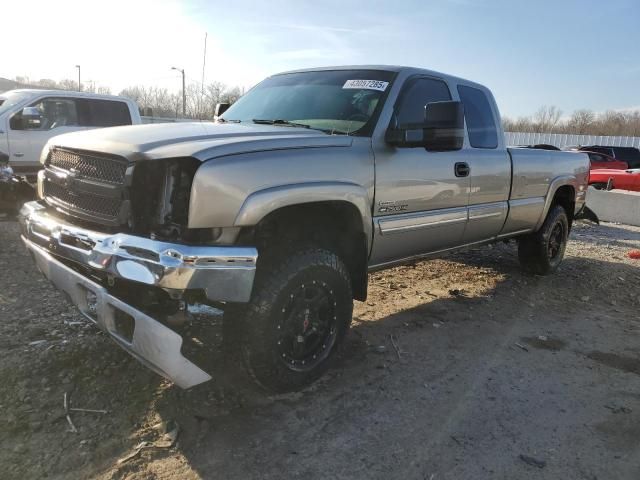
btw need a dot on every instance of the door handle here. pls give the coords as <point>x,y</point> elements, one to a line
<point>18,154</point>
<point>462,169</point>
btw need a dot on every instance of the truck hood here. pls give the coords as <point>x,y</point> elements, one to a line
<point>201,140</point>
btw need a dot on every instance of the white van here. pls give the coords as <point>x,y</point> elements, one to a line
<point>30,117</point>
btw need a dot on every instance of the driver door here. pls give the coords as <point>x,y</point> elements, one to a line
<point>421,196</point>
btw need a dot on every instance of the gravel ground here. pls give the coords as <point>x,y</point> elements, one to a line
<point>496,375</point>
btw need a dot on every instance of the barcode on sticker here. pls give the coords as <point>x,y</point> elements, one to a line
<point>366,84</point>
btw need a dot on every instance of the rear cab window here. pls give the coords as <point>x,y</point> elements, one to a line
<point>627,154</point>
<point>478,115</point>
<point>103,113</point>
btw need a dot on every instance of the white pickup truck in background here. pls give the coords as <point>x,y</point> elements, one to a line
<point>30,117</point>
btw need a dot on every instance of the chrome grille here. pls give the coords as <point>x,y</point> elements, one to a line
<point>103,169</point>
<point>90,204</point>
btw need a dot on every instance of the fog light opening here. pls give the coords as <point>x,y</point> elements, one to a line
<point>125,325</point>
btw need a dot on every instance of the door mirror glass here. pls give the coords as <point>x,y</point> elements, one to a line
<point>442,130</point>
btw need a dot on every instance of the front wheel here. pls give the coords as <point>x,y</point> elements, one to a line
<point>541,252</point>
<point>300,310</point>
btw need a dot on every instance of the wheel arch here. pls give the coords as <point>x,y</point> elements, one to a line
<point>562,191</point>
<point>264,202</point>
<point>329,213</point>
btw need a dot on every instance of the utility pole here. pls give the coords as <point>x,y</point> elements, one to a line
<point>204,62</point>
<point>79,84</point>
<point>184,91</point>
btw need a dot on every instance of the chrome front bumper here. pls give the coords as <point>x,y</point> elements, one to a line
<point>224,273</point>
<point>154,344</point>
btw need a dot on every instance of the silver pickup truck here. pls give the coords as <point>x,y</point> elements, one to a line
<point>276,213</point>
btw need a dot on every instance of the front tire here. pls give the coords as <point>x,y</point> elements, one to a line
<point>300,310</point>
<point>541,252</point>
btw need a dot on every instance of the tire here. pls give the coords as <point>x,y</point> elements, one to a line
<point>541,252</point>
<point>232,327</point>
<point>300,310</point>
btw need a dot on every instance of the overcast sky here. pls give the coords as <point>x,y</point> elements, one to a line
<point>568,53</point>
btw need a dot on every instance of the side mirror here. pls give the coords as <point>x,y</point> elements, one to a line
<point>29,118</point>
<point>221,108</point>
<point>442,130</point>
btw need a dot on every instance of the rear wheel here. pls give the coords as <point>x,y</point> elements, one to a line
<point>541,252</point>
<point>300,310</point>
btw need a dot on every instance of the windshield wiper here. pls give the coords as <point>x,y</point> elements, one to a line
<point>224,120</point>
<point>279,121</point>
<point>287,123</point>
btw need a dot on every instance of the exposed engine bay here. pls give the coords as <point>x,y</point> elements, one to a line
<point>148,198</point>
<point>159,196</point>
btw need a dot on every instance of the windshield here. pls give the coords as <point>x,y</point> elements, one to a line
<point>336,101</point>
<point>10,99</point>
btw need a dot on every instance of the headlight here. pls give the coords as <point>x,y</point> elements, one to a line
<point>44,154</point>
<point>40,186</point>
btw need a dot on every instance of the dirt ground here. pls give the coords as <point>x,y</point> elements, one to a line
<point>496,375</point>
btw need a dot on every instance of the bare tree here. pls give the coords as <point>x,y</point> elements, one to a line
<point>547,118</point>
<point>155,101</point>
<point>65,84</point>
<point>47,83</point>
<point>580,122</point>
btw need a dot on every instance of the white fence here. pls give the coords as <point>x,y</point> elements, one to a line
<point>562,140</point>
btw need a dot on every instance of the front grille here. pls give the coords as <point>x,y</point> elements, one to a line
<point>103,169</point>
<point>87,203</point>
<point>87,185</point>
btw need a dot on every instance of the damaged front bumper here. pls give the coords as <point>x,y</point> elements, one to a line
<point>224,274</point>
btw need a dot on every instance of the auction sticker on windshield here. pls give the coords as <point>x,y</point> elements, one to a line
<point>366,84</point>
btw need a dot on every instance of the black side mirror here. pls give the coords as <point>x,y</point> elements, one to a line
<point>221,108</point>
<point>443,129</point>
<point>29,118</point>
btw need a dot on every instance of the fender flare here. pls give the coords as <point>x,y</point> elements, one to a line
<point>555,184</point>
<point>263,202</point>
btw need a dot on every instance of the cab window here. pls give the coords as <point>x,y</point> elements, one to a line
<point>103,113</point>
<point>478,116</point>
<point>415,96</point>
<point>54,113</point>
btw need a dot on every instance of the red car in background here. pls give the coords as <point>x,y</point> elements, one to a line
<point>600,160</point>
<point>609,178</point>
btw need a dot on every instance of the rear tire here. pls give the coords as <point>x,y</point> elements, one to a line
<point>541,252</point>
<point>299,312</point>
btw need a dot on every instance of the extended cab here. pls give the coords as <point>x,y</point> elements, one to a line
<point>277,212</point>
<point>30,117</point>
